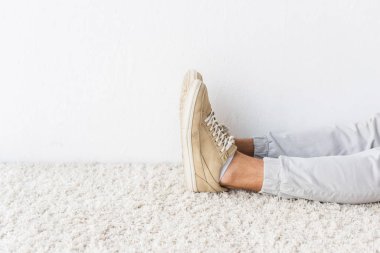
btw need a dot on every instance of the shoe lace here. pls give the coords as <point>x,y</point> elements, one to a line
<point>220,132</point>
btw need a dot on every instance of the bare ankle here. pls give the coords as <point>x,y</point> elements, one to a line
<point>245,146</point>
<point>244,172</point>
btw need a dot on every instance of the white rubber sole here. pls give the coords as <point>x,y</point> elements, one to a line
<point>187,147</point>
<point>189,78</point>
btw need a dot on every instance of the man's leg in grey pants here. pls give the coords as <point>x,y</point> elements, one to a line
<point>344,179</point>
<point>335,164</point>
<point>325,141</point>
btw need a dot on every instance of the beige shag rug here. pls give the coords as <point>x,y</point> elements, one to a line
<point>145,208</point>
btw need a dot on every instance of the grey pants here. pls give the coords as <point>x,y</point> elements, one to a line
<point>333,164</point>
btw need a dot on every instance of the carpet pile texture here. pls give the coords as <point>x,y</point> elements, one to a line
<point>145,208</point>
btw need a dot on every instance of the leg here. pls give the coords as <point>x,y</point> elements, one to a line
<point>245,146</point>
<point>244,172</point>
<point>326,141</point>
<point>344,179</point>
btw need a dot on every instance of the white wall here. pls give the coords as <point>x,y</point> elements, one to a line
<point>100,80</point>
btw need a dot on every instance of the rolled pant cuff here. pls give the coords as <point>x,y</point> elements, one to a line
<point>261,146</point>
<point>271,182</point>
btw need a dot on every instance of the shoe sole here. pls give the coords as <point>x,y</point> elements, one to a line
<point>187,147</point>
<point>190,76</point>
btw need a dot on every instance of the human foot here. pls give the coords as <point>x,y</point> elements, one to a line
<point>244,172</point>
<point>190,76</point>
<point>245,146</point>
<point>206,145</point>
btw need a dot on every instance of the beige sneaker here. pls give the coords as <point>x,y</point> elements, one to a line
<point>206,144</point>
<point>190,76</point>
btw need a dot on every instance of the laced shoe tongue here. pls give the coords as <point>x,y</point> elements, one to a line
<point>220,133</point>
